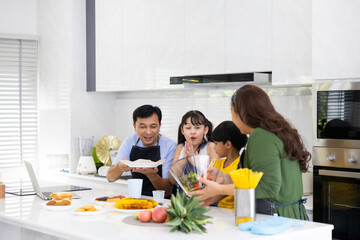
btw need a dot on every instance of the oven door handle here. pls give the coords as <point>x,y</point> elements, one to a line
<point>339,174</point>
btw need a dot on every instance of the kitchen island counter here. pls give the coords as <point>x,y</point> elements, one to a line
<point>28,218</point>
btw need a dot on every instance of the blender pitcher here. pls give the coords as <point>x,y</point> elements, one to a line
<point>86,144</point>
<point>86,164</point>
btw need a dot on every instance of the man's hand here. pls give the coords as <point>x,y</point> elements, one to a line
<point>149,172</point>
<point>123,167</point>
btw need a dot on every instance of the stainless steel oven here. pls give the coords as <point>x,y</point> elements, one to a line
<point>336,157</point>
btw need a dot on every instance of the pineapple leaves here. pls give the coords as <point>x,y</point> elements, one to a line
<point>187,214</point>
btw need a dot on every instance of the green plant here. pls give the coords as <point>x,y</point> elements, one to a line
<point>187,214</point>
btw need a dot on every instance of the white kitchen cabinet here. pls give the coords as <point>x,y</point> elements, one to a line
<point>109,44</point>
<point>204,37</point>
<point>291,41</point>
<point>248,35</point>
<point>167,42</point>
<point>336,39</point>
<point>139,44</point>
<point>136,44</point>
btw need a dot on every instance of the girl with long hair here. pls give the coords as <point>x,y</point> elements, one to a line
<point>194,136</point>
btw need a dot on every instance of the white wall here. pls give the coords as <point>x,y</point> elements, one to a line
<point>18,17</point>
<point>64,103</point>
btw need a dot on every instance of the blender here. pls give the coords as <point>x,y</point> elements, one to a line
<point>86,164</point>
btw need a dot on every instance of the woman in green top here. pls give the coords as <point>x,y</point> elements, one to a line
<point>274,147</point>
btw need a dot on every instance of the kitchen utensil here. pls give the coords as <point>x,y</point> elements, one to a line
<point>244,205</point>
<point>142,163</point>
<point>103,170</point>
<point>186,171</point>
<point>105,146</point>
<point>86,145</point>
<point>86,164</point>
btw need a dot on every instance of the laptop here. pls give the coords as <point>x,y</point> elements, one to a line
<point>43,193</point>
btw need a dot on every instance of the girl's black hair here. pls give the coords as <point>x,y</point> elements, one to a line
<point>227,131</point>
<point>196,118</point>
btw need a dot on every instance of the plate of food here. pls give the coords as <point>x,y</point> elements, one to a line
<point>132,205</point>
<point>108,201</point>
<point>63,205</point>
<point>142,163</point>
<point>61,196</point>
<point>88,210</point>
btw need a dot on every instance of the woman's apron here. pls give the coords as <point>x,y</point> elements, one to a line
<point>151,153</point>
<point>264,206</point>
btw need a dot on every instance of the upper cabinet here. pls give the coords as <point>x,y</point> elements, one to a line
<point>336,39</point>
<point>204,37</point>
<point>291,41</point>
<point>153,43</point>
<point>248,36</point>
<point>108,45</point>
<point>139,44</point>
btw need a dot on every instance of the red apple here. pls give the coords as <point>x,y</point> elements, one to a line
<point>145,216</point>
<point>159,215</point>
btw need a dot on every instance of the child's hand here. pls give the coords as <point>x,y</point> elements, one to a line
<point>189,149</point>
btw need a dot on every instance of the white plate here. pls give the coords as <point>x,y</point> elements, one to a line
<point>130,211</point>
<point>105,204</point>
<point>142,163</point>
<point>89,213</point>
<point>59,208</point>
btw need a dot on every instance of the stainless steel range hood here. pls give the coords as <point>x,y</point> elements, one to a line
<point>254,77</point>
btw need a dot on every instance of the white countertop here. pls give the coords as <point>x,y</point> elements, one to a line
<point>30,213</point>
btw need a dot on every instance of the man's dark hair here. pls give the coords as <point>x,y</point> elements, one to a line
<point>146,111</point>
<point>227,130</point>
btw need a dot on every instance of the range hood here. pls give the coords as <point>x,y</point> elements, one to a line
<point>254,77</point>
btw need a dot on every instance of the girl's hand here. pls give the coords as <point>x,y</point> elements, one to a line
<point>189,149</point>
<point>211,189</point>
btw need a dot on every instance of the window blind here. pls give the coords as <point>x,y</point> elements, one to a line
<point>18,102</point>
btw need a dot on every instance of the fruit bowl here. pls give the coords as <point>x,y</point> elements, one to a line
<point>186,171</point>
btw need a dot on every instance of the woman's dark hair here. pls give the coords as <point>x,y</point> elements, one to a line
<point>146,111</point>
<point>196,119</point>
<point>255,109</point>
<point>227,131</point>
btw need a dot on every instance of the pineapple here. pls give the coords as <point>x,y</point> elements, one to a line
<point>187,214</point>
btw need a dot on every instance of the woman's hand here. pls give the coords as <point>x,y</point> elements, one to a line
<point>216,175</point>
<point>211,189</point>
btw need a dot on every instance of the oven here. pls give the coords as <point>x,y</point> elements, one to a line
<point>337,190</point>
<point>336,157</point>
